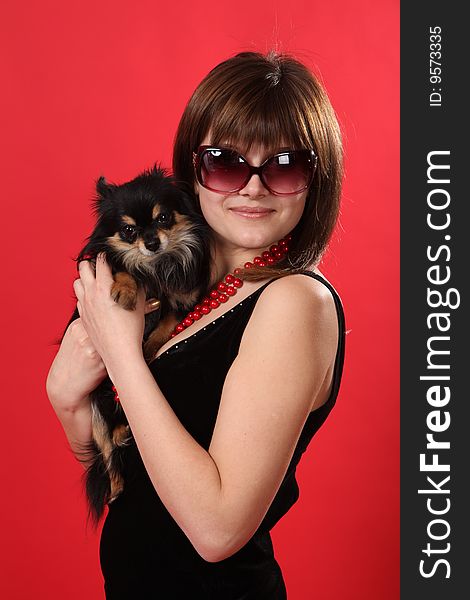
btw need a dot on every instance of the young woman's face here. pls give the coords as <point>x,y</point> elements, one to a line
<point>233,218</point>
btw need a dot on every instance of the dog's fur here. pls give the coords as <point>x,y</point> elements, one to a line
<point>153,238</point>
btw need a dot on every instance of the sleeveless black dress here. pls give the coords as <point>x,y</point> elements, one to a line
<point>144,554</point>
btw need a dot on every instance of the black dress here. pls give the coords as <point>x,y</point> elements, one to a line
<point>143,552</point>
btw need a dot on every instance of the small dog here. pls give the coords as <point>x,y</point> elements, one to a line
<point>153,238</point>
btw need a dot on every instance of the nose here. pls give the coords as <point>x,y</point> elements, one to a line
<point>254,188</point>
<point>152,244</point>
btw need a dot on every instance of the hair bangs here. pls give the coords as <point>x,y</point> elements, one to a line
<point>267,119</point>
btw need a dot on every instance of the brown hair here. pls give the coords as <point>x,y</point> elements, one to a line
<point>272,100</point>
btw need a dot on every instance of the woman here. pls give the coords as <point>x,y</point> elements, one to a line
<point>222,415</point>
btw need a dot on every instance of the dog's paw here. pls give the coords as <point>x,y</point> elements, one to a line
<point>117,487</point>
<point>159,336</point>
<point>122,435</point>
<point>124,291</point>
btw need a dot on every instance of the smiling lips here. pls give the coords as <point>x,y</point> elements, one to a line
<point>251,212</point>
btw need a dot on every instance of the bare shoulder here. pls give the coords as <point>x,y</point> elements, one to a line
<point>294,303</point>
<point>299,287</point>
<point>294,327</point>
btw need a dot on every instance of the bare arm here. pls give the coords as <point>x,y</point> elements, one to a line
<point>77,427</point>
<point>220,497</point>
<point>77,369</point>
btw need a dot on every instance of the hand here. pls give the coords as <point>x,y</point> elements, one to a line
<point>115,332</point>
<point>76,371</point>
<point>77,368</point>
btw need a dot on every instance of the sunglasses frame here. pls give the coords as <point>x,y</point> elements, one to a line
<point>197,163</point>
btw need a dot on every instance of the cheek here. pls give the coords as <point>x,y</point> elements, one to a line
<point>294,208</point>
<point>211,206</point>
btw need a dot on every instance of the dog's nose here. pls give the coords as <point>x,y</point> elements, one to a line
<point>152,244</point>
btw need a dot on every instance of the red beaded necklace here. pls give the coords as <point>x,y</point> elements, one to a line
<point>227,287</point>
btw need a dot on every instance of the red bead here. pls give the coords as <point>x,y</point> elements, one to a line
<point>228,287</point>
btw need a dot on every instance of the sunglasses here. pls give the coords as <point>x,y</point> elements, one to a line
<point>225,170</point>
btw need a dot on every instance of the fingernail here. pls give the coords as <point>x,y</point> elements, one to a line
<point>154,303</point>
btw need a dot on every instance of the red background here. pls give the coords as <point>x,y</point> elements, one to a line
<point>95,88</point>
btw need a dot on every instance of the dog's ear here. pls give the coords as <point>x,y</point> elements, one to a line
<point>102,202</point>
<point>103,188</point>
<point>156,170</point>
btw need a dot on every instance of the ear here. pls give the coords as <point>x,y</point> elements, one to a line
<point>157,169</point>
<point>103,200</point>
<point>104,188</point>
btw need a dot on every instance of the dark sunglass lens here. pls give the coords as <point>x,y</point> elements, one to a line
<point>223,170</point>
<point>289,172</point>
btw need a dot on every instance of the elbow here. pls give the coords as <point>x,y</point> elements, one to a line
<point>213,554</point>
<point>219,547</point>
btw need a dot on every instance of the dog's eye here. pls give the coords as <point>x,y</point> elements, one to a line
<point>163,218</point>
<point>128,232</point>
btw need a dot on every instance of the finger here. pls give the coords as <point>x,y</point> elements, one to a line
<point>151,305</point>
<point>78,289</point>
<point>104,274</point>
<point>82,319</point>
<point>79,330</point>
<point>85,271</point>
<point>140,304</point>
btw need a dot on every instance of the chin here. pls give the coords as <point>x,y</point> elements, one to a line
<point>256,241</point>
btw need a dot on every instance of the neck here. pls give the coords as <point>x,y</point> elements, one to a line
<point>226,259</point>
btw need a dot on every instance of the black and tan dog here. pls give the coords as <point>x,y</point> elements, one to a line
<point>153,238</point>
